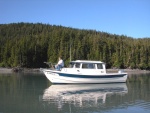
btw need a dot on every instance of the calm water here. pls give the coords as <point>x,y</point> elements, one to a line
<point>33,93</point>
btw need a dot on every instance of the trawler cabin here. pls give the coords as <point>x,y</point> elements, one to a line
<point>88,66</point>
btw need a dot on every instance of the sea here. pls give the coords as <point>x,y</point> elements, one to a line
<point>34,93</point>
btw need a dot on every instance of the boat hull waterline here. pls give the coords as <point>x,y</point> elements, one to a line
<point>59,77</point>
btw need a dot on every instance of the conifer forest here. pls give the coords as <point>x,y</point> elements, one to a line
<point>31,44</point>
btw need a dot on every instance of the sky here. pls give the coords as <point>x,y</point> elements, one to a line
<point>122,17</point>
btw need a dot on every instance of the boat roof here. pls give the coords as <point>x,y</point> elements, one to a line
<point>87,61</point>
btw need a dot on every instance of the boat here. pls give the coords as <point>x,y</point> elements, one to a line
<point>84,71</point>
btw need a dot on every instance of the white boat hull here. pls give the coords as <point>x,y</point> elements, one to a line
<point>59,77</point>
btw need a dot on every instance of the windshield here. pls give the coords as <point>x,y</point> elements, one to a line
<point>74,65</point>
<point>71,64</point>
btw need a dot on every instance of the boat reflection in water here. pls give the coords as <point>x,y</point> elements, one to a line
<point>83,95</point>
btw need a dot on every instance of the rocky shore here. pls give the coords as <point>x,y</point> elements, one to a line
<point>129,71</point>
<point>26,70</point>
<point>37,70</point>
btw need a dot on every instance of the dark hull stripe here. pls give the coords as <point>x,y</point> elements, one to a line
<point>91,76</point>
<point>88,76</point>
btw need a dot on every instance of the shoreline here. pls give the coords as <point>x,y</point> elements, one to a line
<point>129,71</point>
<point>24,70</point>
<point>37,70</point>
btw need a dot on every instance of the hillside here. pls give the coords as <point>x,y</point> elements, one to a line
<point>29,45</point>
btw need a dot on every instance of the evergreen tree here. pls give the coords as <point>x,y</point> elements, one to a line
<point>29,45</point>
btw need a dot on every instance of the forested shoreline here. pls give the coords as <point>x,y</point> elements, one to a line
<point>29,45</point>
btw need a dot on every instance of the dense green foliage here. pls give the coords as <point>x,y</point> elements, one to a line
<point>29,45</point>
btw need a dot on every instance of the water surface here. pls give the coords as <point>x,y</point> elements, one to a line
<point>33,93</point>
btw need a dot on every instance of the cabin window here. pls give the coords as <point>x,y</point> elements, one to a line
<point>77,65</point>
<point>99,66</point>
<point>88,66</point>
<point>71,65</point>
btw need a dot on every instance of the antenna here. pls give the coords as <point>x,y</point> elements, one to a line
<point>70,51</point>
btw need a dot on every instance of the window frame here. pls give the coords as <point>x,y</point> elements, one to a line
<point>88,66</point>
<point>101,66</point>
